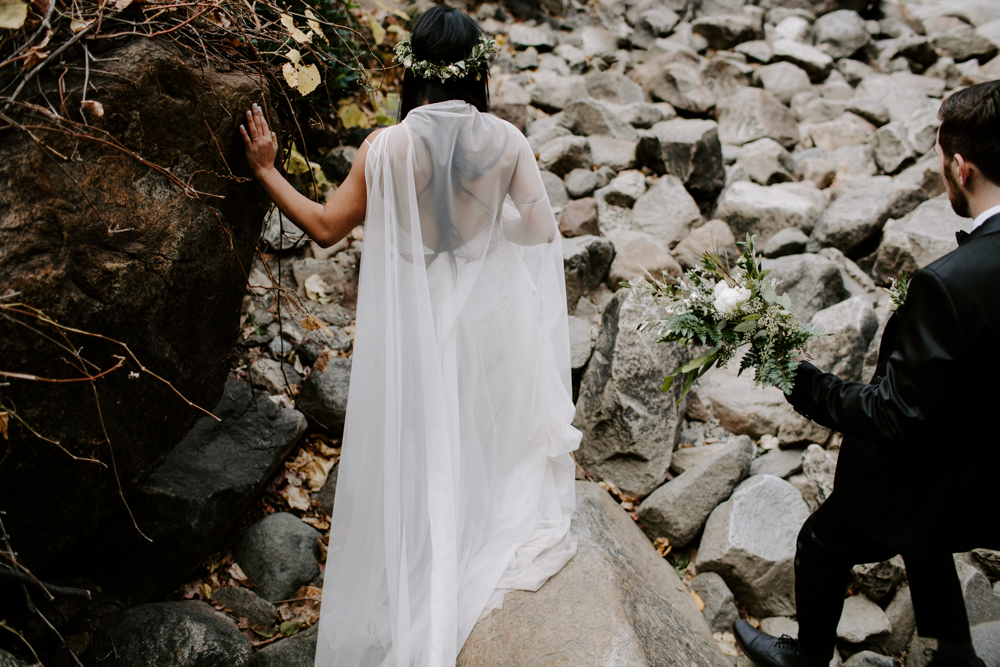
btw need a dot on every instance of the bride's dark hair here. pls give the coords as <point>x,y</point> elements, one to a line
<point>443,35</point>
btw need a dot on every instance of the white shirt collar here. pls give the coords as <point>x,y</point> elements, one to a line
<point>984,216</point>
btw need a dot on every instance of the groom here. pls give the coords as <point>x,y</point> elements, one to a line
<point>917,473</point>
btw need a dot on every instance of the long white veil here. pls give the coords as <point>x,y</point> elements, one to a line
<point>456,482</point>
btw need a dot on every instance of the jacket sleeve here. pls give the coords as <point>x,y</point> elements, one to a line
<point>919,383</point>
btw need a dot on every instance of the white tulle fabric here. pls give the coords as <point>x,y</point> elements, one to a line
<point>456,482</point>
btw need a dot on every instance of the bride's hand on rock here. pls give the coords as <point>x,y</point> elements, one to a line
<point>261,143</point>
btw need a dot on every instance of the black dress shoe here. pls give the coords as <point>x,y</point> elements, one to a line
<point>765,650</point>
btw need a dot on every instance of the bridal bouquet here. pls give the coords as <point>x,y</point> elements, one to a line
<point>725,308</point>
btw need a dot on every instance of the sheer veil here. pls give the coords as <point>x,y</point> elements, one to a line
<point>456,481</point>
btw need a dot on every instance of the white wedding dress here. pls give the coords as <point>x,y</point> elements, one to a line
<point>456,482</point>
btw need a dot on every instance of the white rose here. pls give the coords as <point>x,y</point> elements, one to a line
<point>728,299</point>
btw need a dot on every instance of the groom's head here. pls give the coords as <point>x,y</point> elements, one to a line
<point>969,143</point>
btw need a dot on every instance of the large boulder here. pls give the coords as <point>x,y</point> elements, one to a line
<point>739,405</point>
<point>853,220</point>
<point>812,282</point>
<point>299,650</point>
<point>207,482</point>
<point>766,210</point>
<point>850,326</point>
<point>750,541</point>
<point>754,113</point>
<point>629,427</point>
<point>323,397</point>
<point>913,242</point>
<point>586,260</point>
<point>188,633</point>
<point>678,509</point>
<point>637,253</point>
<point>106,244</point>
<point>687,149</point>
<point>279,554</point>
<point>841,33</point>
<point>617,602</point>
<point>666,210</point>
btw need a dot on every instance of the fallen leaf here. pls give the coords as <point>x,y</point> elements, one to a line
<point>316,522</point>
<point>698,601</point>
<point>236,572</point>
<point>296,497</point>
<point>296,162</point>
<point>94,107</point>
<point>76,25</point>
<point>727,642</point>
<point>122,4</point>
<point>316,288</point>
<point>13,13</point>
<point>311,323</point>
<point>378,32</point>
<point>206,591</point>
<point>289,627</point>
<point>352,116</point>
<point>264,631</point>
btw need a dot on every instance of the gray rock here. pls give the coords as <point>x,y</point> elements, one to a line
<point>802,485</point>
<point>766,210</point>
<point>841,33</point>
<point>818,171</point>
<point>787,241</point>
<point>777,626</point>
<point>753,114</point>
<point>714,236</point>
<point>614,87</point>
<point>8,660</point>
<point>781,463</point>
<point>812,282</point>
<point>542,132</point>
<point>574,57</point>
<point>553,63</point>
<point>816,63</point>
<point>819,467</point>
<point>924,235</point>
<point>852,220</point>
<point>677,83</point>
<point>981,604</point>
<point>323,396</point>
<point>207,482</point>
<point>873,111</point>
<point>725,75</point>
<point>338,162</point>
<point>579,218</point>
<point>551,92</point>
<point>588,116</point>
<point>964,43</point>
<point>522,36</point>
<point>750,541</point>
<point>854,161</point>
<point>891,148</point>
<point>247,604</point>
<point>720,606</point>
<point>332,272</point>
<point>796,430</point>
<point>644,115</point>
<point>756,51</point>
<point>988,559</point>
<point>637,252</point>
<point>273,376</point>
<point>527,59</point>
<point>687,149</point>
<point>861,621</point>
<point>564,154</point>
<point>903,622</point>
<point>666,211</point>
<point>581,342</point>
<point>629,427</point>
<point>811,110</point>
<point>869,659</point>
<point>879,580</point>
<point>794,27</point>
<point>299,650</point>
<point>624,189</point>
<point>616,602</point>
<point>614,154</point>
<point>599,43</point>
<point>170,634</point>
<point>686,458</point>
<point>554,188</point>
<point>281,233</point>
<point>767,162</point>
<point>581,183</point>
<point>326,495</point>
<point>845,130</point>
<point>280,347</point>
<point>279,554</point>
<point>739,406</point>
<point>917,48</point>
<point>678,509</point>
<point>586,260</point>
<point>724,31</point>
<point>782,79</point>
<point>314,343</point>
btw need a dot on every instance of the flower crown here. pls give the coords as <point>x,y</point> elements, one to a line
<point>477,61</point>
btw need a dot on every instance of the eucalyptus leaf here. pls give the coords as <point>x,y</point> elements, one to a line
<point>667,383</point>
<point>768,293</point>
<point>745,326</point>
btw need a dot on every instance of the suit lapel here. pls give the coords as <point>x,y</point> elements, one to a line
<point>991,226</point>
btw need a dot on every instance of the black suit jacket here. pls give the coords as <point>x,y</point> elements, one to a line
<point>919,466</point>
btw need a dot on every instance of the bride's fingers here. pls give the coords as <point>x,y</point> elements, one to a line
<point>262,129</point>
<point>251,127</point>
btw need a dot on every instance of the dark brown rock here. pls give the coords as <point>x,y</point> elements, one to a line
<point>106,244</point>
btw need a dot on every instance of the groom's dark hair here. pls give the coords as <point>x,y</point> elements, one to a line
<point>970,126</point>
<point>443,35</point>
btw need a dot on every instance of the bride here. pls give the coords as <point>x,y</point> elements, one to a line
<point>456,482</point>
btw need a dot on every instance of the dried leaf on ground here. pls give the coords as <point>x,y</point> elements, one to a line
<point>13,13</point>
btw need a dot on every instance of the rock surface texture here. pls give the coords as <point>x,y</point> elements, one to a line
<point>108,245</point>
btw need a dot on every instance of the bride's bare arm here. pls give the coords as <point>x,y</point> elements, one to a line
<point>324,224</point>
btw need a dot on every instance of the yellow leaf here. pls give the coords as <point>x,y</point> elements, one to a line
<point>296,497</point>
<point>314,25</point>
<point>309,79</point>
<point>76,25</point>
<point>12,14</point>
<point>289,24</point>
<point>291,74</point>
<point>351,116</point>
<point>378,32</point>
<point>311,323</point>
<point>122,4</point>
<point>206,591</point>
<point>294,56</point>
<point>296,163</point>
<point>698,601</point>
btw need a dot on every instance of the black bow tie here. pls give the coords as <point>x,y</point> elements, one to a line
<point>961,236</point>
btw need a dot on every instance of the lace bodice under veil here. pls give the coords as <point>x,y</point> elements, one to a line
<point>456,482</point>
